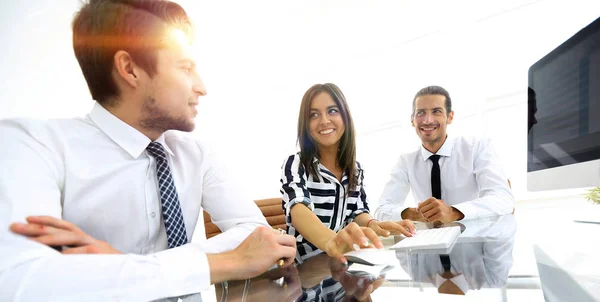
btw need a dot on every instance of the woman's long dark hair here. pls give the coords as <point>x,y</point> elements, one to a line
<point>346,155</point>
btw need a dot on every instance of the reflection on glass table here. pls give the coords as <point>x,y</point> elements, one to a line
<point>319,278</point>
<point>480,258</point>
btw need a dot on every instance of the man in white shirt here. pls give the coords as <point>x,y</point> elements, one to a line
<point>481,258</point>
<point>126,180</point>
<point>470,181</point>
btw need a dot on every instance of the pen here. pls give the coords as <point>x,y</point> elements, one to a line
<point>281,261</point>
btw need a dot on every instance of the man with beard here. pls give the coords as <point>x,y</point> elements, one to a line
<point>451,177</point>
<point>126,180</point>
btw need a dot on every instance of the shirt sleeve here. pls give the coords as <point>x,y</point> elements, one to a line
<point>229,205</point>
<point>293,186</point>
<point>30,271</point>
<point>362,204</point>
<point>495,197</point>
<point>30,184</point>
<point>497,258</point>
<point>392,201</point>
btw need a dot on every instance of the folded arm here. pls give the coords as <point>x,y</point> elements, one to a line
<point>32,271</point>
<point>31,184</point>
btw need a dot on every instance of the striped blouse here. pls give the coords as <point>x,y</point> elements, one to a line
<point>324,195</point>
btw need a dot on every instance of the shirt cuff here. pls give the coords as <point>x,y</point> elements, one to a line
<point>303,200</point>
<point>469,211</point>
<point>388,213</point>
<point>185,267</point>
<point>356,213</point>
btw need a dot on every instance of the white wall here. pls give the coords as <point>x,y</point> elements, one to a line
<point>258,57</point>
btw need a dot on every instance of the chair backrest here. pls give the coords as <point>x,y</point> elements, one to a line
<point>210,228</point>
<point>273,212</point>
<point>270,208</point>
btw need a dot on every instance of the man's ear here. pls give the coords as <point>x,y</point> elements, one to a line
<point>450,117</point>
<point>125,68</point>
<point>412,120</point>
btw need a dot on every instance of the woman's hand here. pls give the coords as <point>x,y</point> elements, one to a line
<point>386,228</point>
<point>352,237</point>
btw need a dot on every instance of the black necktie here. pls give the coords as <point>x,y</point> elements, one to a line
<point>436,191</point>
<point>445,259</point>
<point>436,183</point>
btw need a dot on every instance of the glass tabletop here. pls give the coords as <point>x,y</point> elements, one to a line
<point>478,265</point>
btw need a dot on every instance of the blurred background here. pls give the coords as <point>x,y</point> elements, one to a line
<point>257,58</point>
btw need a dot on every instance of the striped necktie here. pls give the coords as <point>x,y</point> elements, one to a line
<point>172,216</point>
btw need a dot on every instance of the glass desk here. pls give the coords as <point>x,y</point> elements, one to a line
<point>480,265</point>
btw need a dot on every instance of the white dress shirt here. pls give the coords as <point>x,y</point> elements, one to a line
<point>96,173</point>
<point>481,257</point>
<point>472,180</point>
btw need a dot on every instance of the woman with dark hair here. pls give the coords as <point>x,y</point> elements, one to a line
<point>324,198</point>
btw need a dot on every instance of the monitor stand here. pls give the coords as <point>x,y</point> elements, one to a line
<point>584,220</point>
<point>592,217</point>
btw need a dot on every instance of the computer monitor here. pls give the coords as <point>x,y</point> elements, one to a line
<point>563,141</point>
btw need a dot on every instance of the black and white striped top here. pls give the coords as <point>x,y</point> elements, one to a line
<point>324,195</point>
<point>327,290</point>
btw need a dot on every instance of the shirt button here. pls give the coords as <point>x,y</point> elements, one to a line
<point>152,215</point>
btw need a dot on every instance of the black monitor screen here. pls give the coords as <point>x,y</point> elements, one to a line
<point>564,103</point>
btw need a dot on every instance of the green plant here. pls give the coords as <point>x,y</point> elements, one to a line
<point>593,195</point>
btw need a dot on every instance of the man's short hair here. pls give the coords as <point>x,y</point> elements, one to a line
<point>433,90</point>
<point>103,27</point>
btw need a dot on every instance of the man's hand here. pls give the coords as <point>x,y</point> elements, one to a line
<point>386,228</point>
<point>351,237</point>
<point>413,214</point>
<point>285,284</point>
<point>436,210</point>
<point>57,232</point>
<point>259,251</point>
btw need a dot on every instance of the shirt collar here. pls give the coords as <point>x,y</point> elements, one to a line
<point>459,280</point>
<point>445,150</point>
<point>162,141</point>
<point>324,171</point>
<point>316,161</point>
<point>127,137</point>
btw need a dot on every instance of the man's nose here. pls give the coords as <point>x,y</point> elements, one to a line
<point>428,118</point>
<point>199,87</point>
